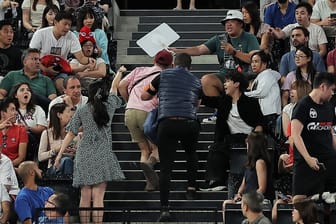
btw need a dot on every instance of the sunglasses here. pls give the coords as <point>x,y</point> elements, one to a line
<point>4,143</point>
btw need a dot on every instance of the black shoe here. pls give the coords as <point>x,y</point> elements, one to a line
<point>150,174</point>
<point>191,194</point>
<point>165,217</point>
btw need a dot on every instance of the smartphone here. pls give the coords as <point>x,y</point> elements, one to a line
<point>283,197</point>
<point>321,165</point>
<point>333,15</point>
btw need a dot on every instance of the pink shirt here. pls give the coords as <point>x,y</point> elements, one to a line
<point>290,78</point>
<point>134,100</point>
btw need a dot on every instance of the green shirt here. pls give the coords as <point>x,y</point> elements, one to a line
<point>40,85</point>
<point>245,43</point>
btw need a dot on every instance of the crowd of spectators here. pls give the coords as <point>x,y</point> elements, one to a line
<point>44,116</point>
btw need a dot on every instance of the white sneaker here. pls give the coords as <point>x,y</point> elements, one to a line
<point>217,188</point>
<point>210,120</point>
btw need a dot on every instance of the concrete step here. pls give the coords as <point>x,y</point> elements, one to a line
<point>200,35</point>
<point>180,19</point>
<point>145,59</point>
<point>179,43</point>
<point>199,12</point>
<point>210,27</point>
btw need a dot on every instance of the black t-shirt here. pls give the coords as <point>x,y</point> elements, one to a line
<point>317,120</point>
<point>10,59</point>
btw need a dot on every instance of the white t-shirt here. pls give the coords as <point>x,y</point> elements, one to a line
<point>45,41</point>
<point>4,196</point>
<point>83,100</point>
<point>33,119</point>
<point>36,15</point>
<point>76,62</point>
<point>321,10</point>
<point>236,123</point>
<point>317,35</point>
<point>266,90</point>
<point>7,175</point>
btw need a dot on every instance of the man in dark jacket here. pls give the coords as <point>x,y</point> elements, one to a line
<point>237,116</point>
<point>179,94</point>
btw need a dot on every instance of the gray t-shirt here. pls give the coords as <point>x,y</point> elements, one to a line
<point>260,220</point>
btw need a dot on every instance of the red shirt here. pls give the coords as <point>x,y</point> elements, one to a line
<point>10,141</point>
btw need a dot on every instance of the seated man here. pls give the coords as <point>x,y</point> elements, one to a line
<point>56,207</point>
<point>5,204</point>
<point>32,196</point>
<point>9,187</point>
<point>72,94</point>
<point>252,208</point>
<point>42,86</point>
<point>13,137</point>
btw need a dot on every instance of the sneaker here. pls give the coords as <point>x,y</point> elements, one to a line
<point>217,188</point>
<point>210,120</point>
<point>150,175</point>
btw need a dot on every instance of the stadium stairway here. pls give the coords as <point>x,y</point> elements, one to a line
<point>126,201</point>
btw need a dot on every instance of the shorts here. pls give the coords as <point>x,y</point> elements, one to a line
<point>134,120</point>
<point>309,182</point>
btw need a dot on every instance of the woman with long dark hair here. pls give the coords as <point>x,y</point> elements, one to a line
<point>95,162</point>
<point>52,138</point>
<point>48,15</point>
<point>254,25</point>
<point>87,17</point>
<point>32,11</point>
<point>305,70</point>
<point>305,212</point>
<point>29,115</point>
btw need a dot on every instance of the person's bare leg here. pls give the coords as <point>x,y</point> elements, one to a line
<point>98,192</point>
<point>145,151</point>
<point>212,85</point>
<point>154,151</point>
<point>85,202</point>
<point>178,5</point>
<point>229,201</point>
<point>192,5</point>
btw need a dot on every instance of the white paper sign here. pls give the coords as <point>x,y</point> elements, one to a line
<point>158,39</point>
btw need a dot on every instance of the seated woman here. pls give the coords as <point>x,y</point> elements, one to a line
<point>13,137</point>
<point>30,116</point>
<point>48,15</point>
<point>32,13</point>
<point>305,212</point>
<point>52,138</point>
<point>254,25</point>
<point>258,175</point>
<point>87,17</point>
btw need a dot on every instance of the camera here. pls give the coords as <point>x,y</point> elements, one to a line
<point>333,15</point>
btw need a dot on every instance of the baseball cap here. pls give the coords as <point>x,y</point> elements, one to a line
<point>163,57</point>
<point>233,14</point>
<point>85,34</point>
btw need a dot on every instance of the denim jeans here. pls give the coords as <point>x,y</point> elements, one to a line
<point>66,167</point>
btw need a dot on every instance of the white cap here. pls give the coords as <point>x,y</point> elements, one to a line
<point>233,14</point>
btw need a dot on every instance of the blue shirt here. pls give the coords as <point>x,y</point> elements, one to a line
<point>287,63</point>
<point>28,201</point>
<point>276,19</point>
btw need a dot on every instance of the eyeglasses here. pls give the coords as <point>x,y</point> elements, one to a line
<point>4,144</point>
<point>52,203</point>
<point>300,56</point>
<point>87,45</point>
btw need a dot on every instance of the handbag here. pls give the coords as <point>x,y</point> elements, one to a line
<point>151,124</point>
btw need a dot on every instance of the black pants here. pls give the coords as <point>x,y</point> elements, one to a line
<point>170,132</point>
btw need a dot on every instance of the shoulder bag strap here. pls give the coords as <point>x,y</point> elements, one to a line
<point>139,80</point>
